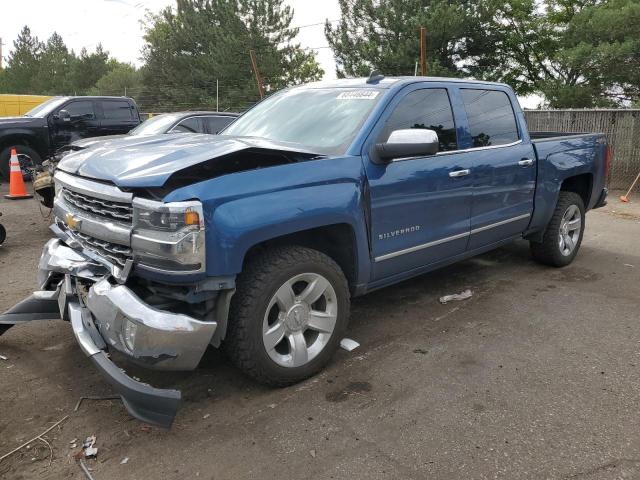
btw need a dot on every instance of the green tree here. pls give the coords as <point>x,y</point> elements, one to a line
<point>200,41</point>
<point>123,79</point>
<point>88,68</point>
<point>385,35</point>
<point>576,53</point>
<point>54,68</point>
<point>22,63</point>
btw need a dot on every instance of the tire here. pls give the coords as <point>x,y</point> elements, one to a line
<point>3,234</point>
<point>259,317</point>
<point>21,150</point>
<point>560,243</point>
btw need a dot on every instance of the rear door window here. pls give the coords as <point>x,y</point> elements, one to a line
<point>427,108</point>
<point>117,110</point>
<point>188,125</point>
<point>490,116</point>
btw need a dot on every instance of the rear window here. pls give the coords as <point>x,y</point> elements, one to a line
<point>491,118</point>
<point>117,110</point>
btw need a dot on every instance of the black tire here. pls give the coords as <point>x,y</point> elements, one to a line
<point>5,155</point>
<point>549,251</point>
<point>3,234</point>
<point>255,287</point>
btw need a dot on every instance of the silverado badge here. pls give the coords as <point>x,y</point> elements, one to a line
<point>401,231</point>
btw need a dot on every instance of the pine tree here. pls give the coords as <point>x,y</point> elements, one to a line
<point>200,41</point>
<point>22,63</point>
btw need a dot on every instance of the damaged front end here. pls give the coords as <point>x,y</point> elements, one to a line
<point>86,276</point>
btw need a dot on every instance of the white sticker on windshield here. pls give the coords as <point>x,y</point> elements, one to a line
<point>358,95</point>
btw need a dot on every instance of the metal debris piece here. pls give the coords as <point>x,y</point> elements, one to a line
<point>348,344</point>
<point>456,296</point>
<point>124,461</point>
<point>85,469</point>
<point>89,442</point>
<point>90,452</point>
<point>75,440</point>
<point>2,357</point>
<point>107,397</point>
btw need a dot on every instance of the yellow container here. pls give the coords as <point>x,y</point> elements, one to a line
<point>16,105</point>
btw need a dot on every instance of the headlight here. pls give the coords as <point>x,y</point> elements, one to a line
<point>168,237</point>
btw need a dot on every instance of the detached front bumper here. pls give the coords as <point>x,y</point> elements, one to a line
<point>105,315</point>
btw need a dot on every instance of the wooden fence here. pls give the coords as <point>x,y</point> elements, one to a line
<point>622,127</point>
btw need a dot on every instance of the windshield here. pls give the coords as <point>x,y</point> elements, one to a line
<point>323,120</point>
<point>46,108</point>
<point>156,125</point>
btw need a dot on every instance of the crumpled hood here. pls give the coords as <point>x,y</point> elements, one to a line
<point>91,141</point>
<point>149,161</point>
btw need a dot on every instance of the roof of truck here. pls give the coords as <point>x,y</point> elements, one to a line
<point>388,82</point>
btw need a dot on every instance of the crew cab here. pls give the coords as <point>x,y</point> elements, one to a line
<point>61,120</point>
<point>255,240</point>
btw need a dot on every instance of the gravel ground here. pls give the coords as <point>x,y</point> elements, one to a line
<point>536,376</point>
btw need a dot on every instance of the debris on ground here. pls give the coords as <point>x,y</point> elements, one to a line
<point>206,415</point>
<point>106,397</point>
<point>39,437</point>
<point>626,265</point>
<point>86,470</point>
<point>124,461</point>
<point>348,344</point>
<point>456,297</point>
<point>145,428</point>
<point>2,357</point>
<point>312,453</point>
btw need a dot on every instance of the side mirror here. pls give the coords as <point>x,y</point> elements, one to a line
<point>64,116</point>
<point>409,142</point>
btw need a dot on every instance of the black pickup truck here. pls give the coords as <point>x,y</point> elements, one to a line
<point>60,121</point>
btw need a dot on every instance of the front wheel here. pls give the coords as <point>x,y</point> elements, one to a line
<point>27,157</point>
<point>288,315</point>
<point>563,236</point>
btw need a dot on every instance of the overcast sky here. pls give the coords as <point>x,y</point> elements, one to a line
<point>116,24</point>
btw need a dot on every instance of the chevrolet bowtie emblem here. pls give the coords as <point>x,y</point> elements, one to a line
<point>72,222</point>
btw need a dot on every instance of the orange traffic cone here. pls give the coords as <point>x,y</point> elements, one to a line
<point>16,184</point>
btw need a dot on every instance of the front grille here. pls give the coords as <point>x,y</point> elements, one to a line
<point>116,254</point>
<point>104,208</point>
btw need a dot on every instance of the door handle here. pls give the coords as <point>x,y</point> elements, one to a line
<point>525,162</point>
<point>459,173</point>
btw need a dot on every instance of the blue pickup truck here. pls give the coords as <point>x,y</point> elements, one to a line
<point>255,240</point>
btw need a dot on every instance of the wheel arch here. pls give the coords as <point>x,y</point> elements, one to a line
<point>338,241</point>
<point>21,138</point>
<point>580,184</point>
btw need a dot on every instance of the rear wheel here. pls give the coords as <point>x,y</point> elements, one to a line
<point>288,315</point>
<point>563,236</point>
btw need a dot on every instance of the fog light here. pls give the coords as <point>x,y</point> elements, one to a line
<point>129,336</point>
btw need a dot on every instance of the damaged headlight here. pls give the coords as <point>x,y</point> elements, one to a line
<point>168,237</point>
